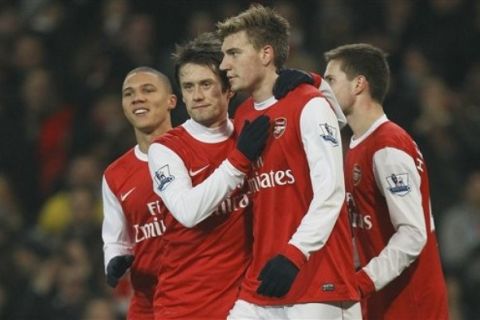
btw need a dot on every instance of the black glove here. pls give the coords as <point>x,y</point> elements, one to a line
<point>253,137</point>
<point>289,79</point>
<point>116,267</point>
<point>277,277</point>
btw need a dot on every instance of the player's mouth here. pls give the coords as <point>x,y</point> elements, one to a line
<point>140,111</point>
<point>201,106</point>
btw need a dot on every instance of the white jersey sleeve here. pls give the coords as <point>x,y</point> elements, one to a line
<point>322,144</point>
<point>406,215</point>
<point>115,235</point>
<point>189,205</point>
<point>327,92</point>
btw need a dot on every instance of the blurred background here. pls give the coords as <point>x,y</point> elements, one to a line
<point>61,122</point>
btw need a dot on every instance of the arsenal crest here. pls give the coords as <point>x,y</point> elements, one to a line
<point>279,126</point>
<point>356,174</point>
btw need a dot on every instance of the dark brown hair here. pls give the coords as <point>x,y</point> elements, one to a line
<point>203,50</point>
<point>366,60</point>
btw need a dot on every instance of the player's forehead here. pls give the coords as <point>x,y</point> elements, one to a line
<point>334,68</point>
<point>237,40</point>
<point>138,78</point>
<point>193,72</point>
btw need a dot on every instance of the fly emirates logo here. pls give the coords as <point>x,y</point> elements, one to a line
<point>357,219</point>
<point>269,179</point>
<point>232,204</point>
<point>152,229</point>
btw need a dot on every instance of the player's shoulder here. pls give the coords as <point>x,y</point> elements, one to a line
<point>305,90</point>
<point>122,163</point>
<point>172,135</point>
<point>390,134</point>
<point>299,97</point>
<point>178,140</point>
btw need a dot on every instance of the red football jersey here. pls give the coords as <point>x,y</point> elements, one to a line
<point>201,266</point>
<point>389,206</point>
<point>133,224</point>
<point>298,200</point>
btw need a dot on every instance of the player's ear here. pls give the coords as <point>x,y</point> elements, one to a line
<point>267,54</point>
<point>171,102</point>
<point>360,84</point>
<point>231,94</point>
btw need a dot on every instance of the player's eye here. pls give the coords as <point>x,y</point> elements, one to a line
<point>187,86</point>
<point>206,84</point>
<point>149,89</point>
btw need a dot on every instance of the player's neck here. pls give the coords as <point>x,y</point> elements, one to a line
<point>363,116</point>
<point>144,140</point>
<point>264,88</point>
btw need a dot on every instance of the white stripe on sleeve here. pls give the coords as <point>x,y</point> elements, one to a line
<point>406,215</point>
<point>189,205</point>
<point>325,161</point>
<point>115,235</point>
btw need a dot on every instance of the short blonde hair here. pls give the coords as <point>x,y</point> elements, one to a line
<point>263,27</point>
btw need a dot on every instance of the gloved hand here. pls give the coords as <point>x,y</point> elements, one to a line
<point>277,277</point>
<point>116,268</point>
<point>289,79</point>
<point>253,137</point>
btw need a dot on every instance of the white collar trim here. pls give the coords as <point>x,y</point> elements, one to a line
<point>209,135</point>
<point>139,154</point>
<point>355,142</point>
<point>265,103</point>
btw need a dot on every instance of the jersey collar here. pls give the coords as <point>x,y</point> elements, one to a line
<point>209,135</point>
<point>139,154</point>
<point>355,142</point>
<point>262,105</point>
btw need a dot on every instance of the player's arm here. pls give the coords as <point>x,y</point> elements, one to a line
<point>406,215</point>
<point>289,79</point>
<point>117,245</point>
<point>191,205</point>
<point>171,181</point>
<point>322,144</point>
<point>327,92</point>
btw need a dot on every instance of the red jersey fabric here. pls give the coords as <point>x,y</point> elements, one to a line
<point>282,193</point>
<point>419,291</point>
<point>129,180</point>
<point>202,266</point>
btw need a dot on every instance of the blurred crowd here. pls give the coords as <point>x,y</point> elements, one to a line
<point>61,123</point>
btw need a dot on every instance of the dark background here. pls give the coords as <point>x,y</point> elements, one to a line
<point>61,68</point>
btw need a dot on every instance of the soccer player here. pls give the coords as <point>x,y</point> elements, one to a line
<point>302,263</point>
<point>133,214</point>
<point>203,259</point>
<point>399,276</point>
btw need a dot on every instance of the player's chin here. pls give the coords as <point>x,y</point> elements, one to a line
<point>236,85</point>
<point>200,117</point>
<point>145,126</point>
